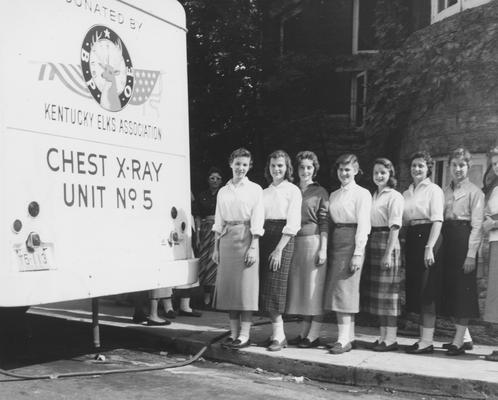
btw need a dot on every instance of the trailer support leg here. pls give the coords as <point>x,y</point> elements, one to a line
<point>95,323</point>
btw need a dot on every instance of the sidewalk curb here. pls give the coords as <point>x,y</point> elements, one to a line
<point>347,375</point>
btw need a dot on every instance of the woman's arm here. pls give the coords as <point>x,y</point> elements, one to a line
<point>431,242</point>
<point>275,257</point>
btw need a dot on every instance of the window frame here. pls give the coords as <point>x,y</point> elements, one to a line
<point>459,6</point>
<point>354,98</point>
<point>356,30</point>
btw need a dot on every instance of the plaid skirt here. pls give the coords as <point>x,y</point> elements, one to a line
<point>380,287</point>
<point>342,288</point>
<point>423,285</point>
<point>460,298</point>
<point>207,267</point>
<point>273,284</point>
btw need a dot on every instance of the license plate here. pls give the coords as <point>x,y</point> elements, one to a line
<point>42,258</point>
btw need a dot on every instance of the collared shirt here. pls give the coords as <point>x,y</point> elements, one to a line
<point>241,202</point>
<point>351,204</point>
<point>426,201</point>
<point>465,202</point>
<point>314,209</point>
<point>387,208</point>
<point>492,209</point>
<point>284,202</point>
<point>205,204</point>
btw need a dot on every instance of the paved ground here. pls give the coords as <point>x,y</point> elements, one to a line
<point>468,376</point>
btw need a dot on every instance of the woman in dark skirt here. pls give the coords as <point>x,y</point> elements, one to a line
<point>308,270</point>
<point>238,224</point>
<point>349,209</point>
<point>380,281</point>
<point>462,232</point>
<point>282,203</point>
<point>423,216</point>
<point>204,220</point>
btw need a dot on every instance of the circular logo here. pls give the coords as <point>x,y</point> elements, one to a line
<point>107,68</point>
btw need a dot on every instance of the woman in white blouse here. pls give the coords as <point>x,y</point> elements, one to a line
<point>490,226</point>
<point>238,224</point>
<point>349,209</point>
<point>282,203</point>
<point>381,278</point>
<point>423,216</point>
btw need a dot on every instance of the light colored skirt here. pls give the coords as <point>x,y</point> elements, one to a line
<point>342,288</point>
<point>237,286</point>
<point>306,279</point>
<point>491,308</point>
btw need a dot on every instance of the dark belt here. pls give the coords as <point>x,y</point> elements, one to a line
<point>345,225</point>
<point>380,229</point>
<point>457,222</point>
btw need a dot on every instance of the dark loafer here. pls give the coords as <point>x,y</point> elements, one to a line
<point>170,314</point>
<point>455,351</point>
<point>237,344</point>
<point>307,344</point>
<point>414,349</point>
<point>151,322</point>
<point>383,347</point>
<point>492,357</point>
<point>227,342</point>
<point>192,313</point>
<point>275,345</point>
<point>338,348</point>
<point>466,345</point>
<point>293,342</point>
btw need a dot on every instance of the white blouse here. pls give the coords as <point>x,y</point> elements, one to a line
<point>351,204</point>
<point>241,202</point>
<point>426,201</point>
<point>492,209</point>
<point>387,208</point>
<point>284,202</point>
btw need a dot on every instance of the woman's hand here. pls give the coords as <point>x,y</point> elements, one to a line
<point>321,257</point>
<point>216,255</point>
<point>469,265</point>
<point>251,257</point>
<point>488,224</point>
<point>428,256</point>
<point>387,261</point>
<point>275,259</point>
<point>355,264</point>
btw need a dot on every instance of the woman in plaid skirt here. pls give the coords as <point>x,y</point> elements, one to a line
<point>462,232</point>
<point>238,224</point>
<point>308,269</point>
<point>380,282</point>
<point>282,204</point>
<point>349,209</point>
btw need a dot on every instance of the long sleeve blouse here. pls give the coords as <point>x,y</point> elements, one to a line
<point>283,201</point>
<point>465,202</point>
<point>241,202</point>
<point>351,204</point>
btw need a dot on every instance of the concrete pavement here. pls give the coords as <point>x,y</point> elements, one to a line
<point>467,376</point>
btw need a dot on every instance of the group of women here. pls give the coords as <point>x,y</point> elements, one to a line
<point>295,250</point>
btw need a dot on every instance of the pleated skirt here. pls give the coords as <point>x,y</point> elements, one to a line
<point>423,285</point>
<point>306,279</point>
<point>460,299</point>
<point>207,267</point>
<point>237,286</point>
<point>491,307</point>
<point>380,287</point>
<point>273,284</point>
<point>342,288</point>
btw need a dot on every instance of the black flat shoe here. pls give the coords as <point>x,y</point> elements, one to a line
<point>383,347</point>
<point>338,348</point>
<point>227,342</point>
<point>275,345</point>
<point>466,345</point>
<point>414,349</point>
<point>237,344</point>
<point>455,351</point>
<point>292,342</point>
<point>151,322</point>
<point>307,344</point>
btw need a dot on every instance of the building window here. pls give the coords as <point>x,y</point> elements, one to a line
<point>358,99</point>
<point>363,26</point>
<point>444,8</point>
<point>441,171</point>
